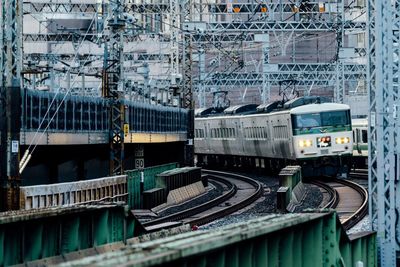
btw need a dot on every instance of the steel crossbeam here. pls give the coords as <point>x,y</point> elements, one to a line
<point>46,7</point>
<point>304,74</point>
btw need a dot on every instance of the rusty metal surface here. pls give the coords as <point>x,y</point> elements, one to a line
<point>24,215</point>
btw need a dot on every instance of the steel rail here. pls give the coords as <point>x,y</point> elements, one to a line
<point>360,213</point>
<point>220,177</point>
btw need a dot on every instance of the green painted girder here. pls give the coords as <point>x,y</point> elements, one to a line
<point>37,234</point>
<point>306,239</point>
<point>150,174</point>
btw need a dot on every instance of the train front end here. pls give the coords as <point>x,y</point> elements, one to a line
<point>322,138</point>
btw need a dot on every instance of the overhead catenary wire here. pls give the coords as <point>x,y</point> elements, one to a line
<point>28,153</point>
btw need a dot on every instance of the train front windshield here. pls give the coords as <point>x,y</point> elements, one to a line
<point>322,119</point>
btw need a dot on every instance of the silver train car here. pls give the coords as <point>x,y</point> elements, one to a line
<point>317,136</point>
<point>360,142</point>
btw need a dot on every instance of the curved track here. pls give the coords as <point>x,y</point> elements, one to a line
<point>242,191</point>
<point>349,199</point>
<point>359,173</point>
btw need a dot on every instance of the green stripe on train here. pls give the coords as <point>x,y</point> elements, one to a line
<point>321,130</point>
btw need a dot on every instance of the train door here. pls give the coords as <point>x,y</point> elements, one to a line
<point>357,141</point>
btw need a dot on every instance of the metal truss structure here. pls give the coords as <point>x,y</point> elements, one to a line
<point>113,84</point>
<point>187,96</point>
<point>10,93</point>
<point>284,23</point>
<point>384,138</point>
<point>232,25</point>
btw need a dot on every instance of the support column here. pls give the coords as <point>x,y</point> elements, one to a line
<point>339,86</point>
<point>266,85</point>
<point>113,85</point>
<point>187,101</point>
<point>10,102</point>
<point>382,75</point>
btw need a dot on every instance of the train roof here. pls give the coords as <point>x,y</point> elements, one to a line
<point>319,108</point>
<point>241,109</point>
<point>305,104</point>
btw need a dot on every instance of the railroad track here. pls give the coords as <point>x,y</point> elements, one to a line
<point>359,173</point>
<point>348,198</point>
<point>242,191</point>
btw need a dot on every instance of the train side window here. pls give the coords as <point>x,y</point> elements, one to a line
<point>364,136</point>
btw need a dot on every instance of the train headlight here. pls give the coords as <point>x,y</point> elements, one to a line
<point>342,140</point>
<point>305,143</point>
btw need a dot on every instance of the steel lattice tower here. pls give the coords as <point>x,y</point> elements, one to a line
<point>113,84</point>
<point>10,100</point>
<point>383,75</point>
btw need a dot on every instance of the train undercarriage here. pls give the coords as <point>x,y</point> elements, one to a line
<point>325,166</point>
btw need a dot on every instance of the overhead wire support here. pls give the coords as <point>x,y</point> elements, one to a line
<point>383,123</point>
<point>187,101</point>
<point>10,101</point>
<point>113,84</point>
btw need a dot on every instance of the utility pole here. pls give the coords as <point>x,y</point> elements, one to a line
<point>113,84</point>
<point>187,101</point>
<point>10,101</point>
<point>339,91</point>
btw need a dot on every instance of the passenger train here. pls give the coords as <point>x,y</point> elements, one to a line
<point>308,131</point>
<point>360,143</point>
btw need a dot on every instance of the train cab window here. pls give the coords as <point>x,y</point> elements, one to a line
<point>307,120</point>
<point>364,136</point>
